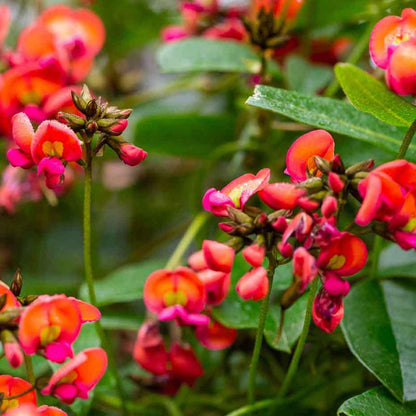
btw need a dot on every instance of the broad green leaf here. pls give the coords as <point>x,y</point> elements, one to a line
<point>241,314</point>
<point>189,135</point>
<point>380,331</point>
<point>121,320</point>
<point>396,262</point>
<point>304,77</point>
<point>197,54</point>
<point>124,284</point>
<point>333,115</point>
<point>372,96</point>
<point>374,402</point>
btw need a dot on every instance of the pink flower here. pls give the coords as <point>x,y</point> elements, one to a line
<point>254,254</point>
<point>131,155</point>
<point>254,285</point>
<point>77,376</point>
<point>236,193</point>
<point>218,256</point>
<point>327,311</point>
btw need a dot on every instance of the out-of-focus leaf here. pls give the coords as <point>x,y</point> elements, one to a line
<point>377,402</point>
<point>304,77</point>
<point>129,24</point>
<point>333,115</point>
<point>121,320</point>
<point>198,54</point>
<point>395,262</point>
<point>371,96</point>
<point>189,135</point>
<point>380,329</point>
<point>124,284</point>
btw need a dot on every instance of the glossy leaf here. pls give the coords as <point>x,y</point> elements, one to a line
<point>378,327</point>
<point>333,115</point>
<point>197,54</point>
<point>124,284</point>
<point>188,135</point>
<point>377,402</point>
<point>318,76</point>
<point>395,262</point>
<point>372,96</point>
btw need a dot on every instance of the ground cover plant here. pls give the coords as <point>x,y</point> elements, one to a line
<point>208,207</point>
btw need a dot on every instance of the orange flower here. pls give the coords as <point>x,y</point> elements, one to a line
<point>12,386</point>
<point>176,294</point>
<point>215,336</point>
<point>77,376</point>
<point>52,323</point>
<point>11,301</point>
<point>300,163</point>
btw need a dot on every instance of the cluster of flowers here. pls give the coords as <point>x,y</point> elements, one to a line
<point>214,20</point>
<point>303,228</point>
<point>46,326</point>
<point>393,48</point>
<point>55,144</point>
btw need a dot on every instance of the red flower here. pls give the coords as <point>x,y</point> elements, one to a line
<point>215,336</point>
<point>12,386</point>
<point>219,257</point>
<point>281,195</point>
<point>254,285</point>
<point>254,254</point>
<point>304,268</point>
<point>327,311</point>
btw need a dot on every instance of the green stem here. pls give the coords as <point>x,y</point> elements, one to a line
<point>16,396</point>
<point>353,58</point>
<point>260,329</point>
<point>29,369</point>
<point>89,274</point>
<point>407,140</point>
<point>377,246</point>
<point>301,343</point>
<point>193,229</point>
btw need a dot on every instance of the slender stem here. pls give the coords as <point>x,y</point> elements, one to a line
<point>301,343</point>
<point>193,229</point>
<point>353,58</point>
<point>377,246</point>
<point>29,369</point>
<point>260,329</point>
<point>89,274</point>
<point>16,396</point>
<point>407,140</point>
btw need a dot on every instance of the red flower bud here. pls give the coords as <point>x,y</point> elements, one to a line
<point>335,182</point>
<point>254,285</point>
<point>254,255</point>
<point>329,206</point>
<point>218,256</point>
<point>131,155</point>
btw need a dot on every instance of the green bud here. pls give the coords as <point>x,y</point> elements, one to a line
<point>17,283</point>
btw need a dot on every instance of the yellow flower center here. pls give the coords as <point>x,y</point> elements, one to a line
<point>175,298</point>
<point>336,262</point>
<point>411,225</point>
<point>49,334</point>
<point>69,378</point>
<point>53,148</point>
<point>9,405</point>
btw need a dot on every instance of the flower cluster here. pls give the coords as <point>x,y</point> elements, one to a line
<point>47,326</point>
<point>393,47</point>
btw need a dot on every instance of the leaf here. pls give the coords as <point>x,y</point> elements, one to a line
<point>380,331</point>
<point>197,54</point>
<point>124,284</point>
<point>318,76</point>
<point>242,314</point>
<point>371,96</point>
<point>374,402</point>
<point>330,114</point>
<point>396,262</point>
<point>188,135</point>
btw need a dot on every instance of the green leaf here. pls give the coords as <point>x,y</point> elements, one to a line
<point>396,262</point>
<point>318,76</point>
<point>188,135</point>
<point>197,54</point>
<point>380,331</point>
<point>372,96</point>
<point>374,402</point>
<point>242,314</point>
<point>330,114</point>
<point>124,284</point>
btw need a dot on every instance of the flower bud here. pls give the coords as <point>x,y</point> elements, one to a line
<point>17,283</point>
<point>254,254</point>
<point>72,120</point>
<point>322,164</point>
<point>335,182</point>
<point>365,166</point>
<point>238,216</point>
<point>329,206</point>
<point>280,224</point>
<point>219,257</point>
<point>197,261</point>
<point>11,348</point>
<point>131,155</point>
<point>337,165</point>
<point>286,250</point>
<point>78,101</point>
<point>86,94</point>
<point>254,285</point>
